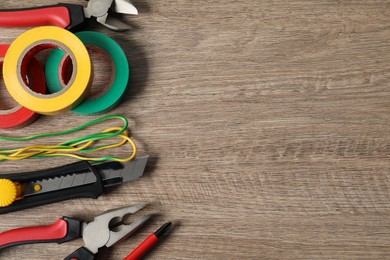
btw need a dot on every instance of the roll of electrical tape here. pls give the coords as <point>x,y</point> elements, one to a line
<point>20,116</point>
<point>115,90</point>
<point>26,46</point>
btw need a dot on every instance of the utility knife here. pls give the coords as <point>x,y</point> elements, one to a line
<point>77,180</point>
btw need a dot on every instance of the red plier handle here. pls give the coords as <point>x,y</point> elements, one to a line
<point>67,16</point>
<point>65,229</point>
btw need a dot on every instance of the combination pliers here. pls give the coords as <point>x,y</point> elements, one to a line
<point>105,230</point>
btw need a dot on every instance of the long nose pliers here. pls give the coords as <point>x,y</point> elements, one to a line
<point>69,16</point>
<point>105,230</point>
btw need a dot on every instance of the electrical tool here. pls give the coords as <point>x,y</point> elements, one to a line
<point>77,180</point>
<point>149,242</point>
<point>105,230</point>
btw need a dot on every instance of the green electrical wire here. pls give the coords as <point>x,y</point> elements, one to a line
<point>75,147</point>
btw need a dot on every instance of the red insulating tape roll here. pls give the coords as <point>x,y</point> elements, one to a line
<point>21,116</point>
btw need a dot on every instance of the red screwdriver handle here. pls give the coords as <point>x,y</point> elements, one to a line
<point>149,242</point>
<point>144,247</point>
<point>63,230</point>
<point>49,15</point>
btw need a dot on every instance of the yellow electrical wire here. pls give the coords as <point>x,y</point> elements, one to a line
<point>74,147</point>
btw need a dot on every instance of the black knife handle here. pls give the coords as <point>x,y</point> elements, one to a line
<point>93,190</point>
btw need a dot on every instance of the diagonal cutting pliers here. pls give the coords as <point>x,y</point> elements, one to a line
<point>69,16</point>
<point>105,230</point>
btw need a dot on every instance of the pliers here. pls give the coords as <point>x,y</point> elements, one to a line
<point>105,230</point>
<point>69,16</point>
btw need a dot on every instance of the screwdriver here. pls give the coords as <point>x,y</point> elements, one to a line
<point>149,242</point>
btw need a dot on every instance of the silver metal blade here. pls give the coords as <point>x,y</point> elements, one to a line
<point>124,231</point>
<point>97,8</point>
<point>120,212</point>
<point>58,183</point>
<point>124,7</point>
<point>113,23</point>
<point>132,170</point>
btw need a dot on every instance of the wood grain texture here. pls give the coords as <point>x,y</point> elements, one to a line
<point>267,123</point>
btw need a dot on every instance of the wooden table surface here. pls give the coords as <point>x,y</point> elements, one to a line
<point>267,123</point>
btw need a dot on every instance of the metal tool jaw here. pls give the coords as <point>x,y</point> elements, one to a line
<point>106,229</point>
<point>101,9</point>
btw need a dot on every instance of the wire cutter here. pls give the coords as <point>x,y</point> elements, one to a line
<point>105,230</point>
<point>69,16</point>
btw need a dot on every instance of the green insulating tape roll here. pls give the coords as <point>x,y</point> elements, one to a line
<point>118,85</point>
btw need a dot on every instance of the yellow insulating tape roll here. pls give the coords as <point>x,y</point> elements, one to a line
<point>25,47</point>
